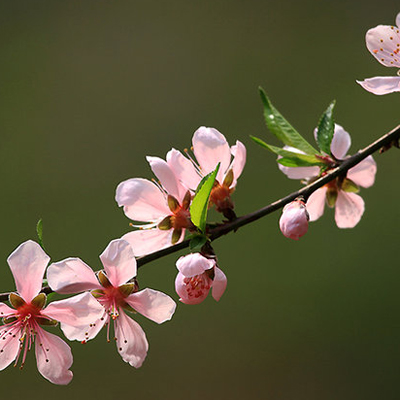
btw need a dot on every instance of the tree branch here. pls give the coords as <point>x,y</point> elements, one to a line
<point>384,143</point>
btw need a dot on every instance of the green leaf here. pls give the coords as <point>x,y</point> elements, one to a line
<point>290,158</point>
<point>282,129</point>
<point>197,242</point>
<point>326,129</point>
<point>39,231</point>
<point>199,206</point>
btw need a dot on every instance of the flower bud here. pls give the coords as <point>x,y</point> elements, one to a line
<point>294,220</point>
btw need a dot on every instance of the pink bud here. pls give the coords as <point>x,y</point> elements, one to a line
<point>294,220</point>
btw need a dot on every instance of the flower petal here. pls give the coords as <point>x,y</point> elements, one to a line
<point>71,275</point>
<point>53,357</point>
<point>28,263</point>
<point>79,310</point>
<point>153,304</point>
<point>398,20</point>
<point>341,142</point>
<point>9,344</point>
<point>381,84</point>
<point>148,241</point>
<point>316,203</point>
<point>183,169</point>
<point>298,172</point>
<point>119,262</point>
<point>166,176</point>
<point>193,264</point>
<point>349,209</point>
<point>185,292</point>
<point>131,340</point>
<point>363,174</point>
<point>5,310</point>
<point>239,153</point>
<point>142,200</point>
<point>85,332</point>
<point>383,42</point>
<point>210,148</point>
<point>219,284</point>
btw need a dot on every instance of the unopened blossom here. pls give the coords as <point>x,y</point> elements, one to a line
<point>210,147</point>
<point>23,321</point>
<point>340,192</point>
<point>294,220</point>
<point>383,42</point>
<point>164,208</point>
<point>118,297</point>
<point>197,275</point>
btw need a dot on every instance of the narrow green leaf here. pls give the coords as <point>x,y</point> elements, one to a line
<point>199,206</point>
<point>326,129</point>
<point>282,129</point>
<point>197,242</point>
<point>290,158</point>
<point>39,231</point>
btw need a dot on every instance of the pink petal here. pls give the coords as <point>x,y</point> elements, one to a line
<point>183,169</point>
<point>182,290</point>
<point>5,310</point>
<point>167,178</point>
<point>84,333</point>
<point>398,20</point>
<point>28,263</point>
<point>148,241</point>
<point>119,262</point>
<point>193,264</point>
<point>210,148</point>
<point>71,275</point>
<point>131,340</point>
<point>349,209</point>
<point>363,174</point>
<point>9,344</point>
<point>340,143</point>
<point>381,84</point>
<point>154,305</point>
<point>53,357</point>
<point>298,172</point>
<point>316,203</point>
<point>383,42</point>
<point>219,284</point>
<point>239,153</point>
<point>142,200</point>
<point>79,310</point>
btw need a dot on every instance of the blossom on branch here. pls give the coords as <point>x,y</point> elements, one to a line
<point>340,192</point>
<point>294,220</point>
<point>117,295</point>
<point>197,275</point>
<point>383,42</point>
<point>23,323</point>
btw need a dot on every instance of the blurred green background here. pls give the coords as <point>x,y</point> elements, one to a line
<point>89,88</point>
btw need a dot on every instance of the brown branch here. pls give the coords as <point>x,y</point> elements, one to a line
<point>384,143</point>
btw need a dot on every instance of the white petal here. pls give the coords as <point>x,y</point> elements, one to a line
<point>239,153</point>
<point>119,262</point>
<point>28,263</point>
<point>210,148</point>
<point>383,42</point>
<point>398,20</point>
<point>131,340</point>
<point>153,304</point>
<point>363,174</point>
<point>298,172</point>
<point>381,84</point>
<point>193,264</point>
<point>148,241</point>
<point>349,209</point>
<point>71,275</point>
<point>341,142</point>
<point>219,284</point>
<point>316,203</point>
<point>142,200</point>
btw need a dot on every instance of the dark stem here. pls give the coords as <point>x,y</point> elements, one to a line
<point>384,142</point>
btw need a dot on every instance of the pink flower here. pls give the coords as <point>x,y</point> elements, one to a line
<point>383,42</point>
<point>197,275</point>
<point>210,147</point>
<point>294,220</point>
<point>164,209</point>
<point>113,290</point>
<point>339,193</point>
<point>23,323</point>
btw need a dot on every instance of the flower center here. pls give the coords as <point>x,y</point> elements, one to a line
<point>198,285</point>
